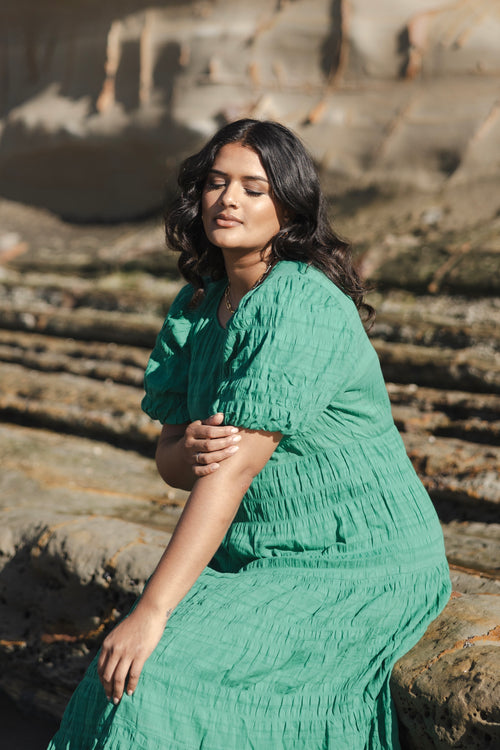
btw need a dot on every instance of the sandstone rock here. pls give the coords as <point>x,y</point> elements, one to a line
<point>88,324</point>
<point>64,581</point>
<point>472,582</point>
<point>60,473</point>
<point>121,291</point>
<point>455,29</point>
<point>33,239</point>
<point>466,369</point>
<point>474,545</point>
<point>473,552</point>
<point>433,265</point>
<point>77,404</point>
<point>455,404</point>
<point>403,96</point>
<point>446,688</point>
<point>102,361</point>
<point>435,320</point>
<point>461,477</point>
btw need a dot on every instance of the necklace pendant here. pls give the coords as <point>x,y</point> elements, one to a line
<point>227,300</point>
<point>227,291</point>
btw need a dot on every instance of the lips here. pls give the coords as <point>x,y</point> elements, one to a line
<point>227,220</point>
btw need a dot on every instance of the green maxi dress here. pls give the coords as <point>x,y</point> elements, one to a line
<point>334,565</point>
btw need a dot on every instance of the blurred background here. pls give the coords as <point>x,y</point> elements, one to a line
<point>399,103</point>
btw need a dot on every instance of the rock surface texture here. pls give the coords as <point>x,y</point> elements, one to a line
<point>113,94</point>
<point>447,688</point>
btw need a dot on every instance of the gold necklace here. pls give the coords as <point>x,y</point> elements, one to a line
<point>227,291</point>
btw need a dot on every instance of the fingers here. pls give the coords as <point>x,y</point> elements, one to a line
<point>115,676</point>
<point>211,427</point>
<point>106,668</point>
<point>214,445</point>
<point>209,442</point>
<point>133,677</point>
<point>214,420</point>
<point>206,463</point>
<point>118,681</point>
<point>200,431</point>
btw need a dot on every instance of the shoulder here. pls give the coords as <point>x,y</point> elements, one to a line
<point>302,277</point>
<point>296,292</point>
<point>181,308</point>
<point>180,304</point>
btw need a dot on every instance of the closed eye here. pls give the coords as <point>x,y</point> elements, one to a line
<point>222,185</point>
<point>214,185</point>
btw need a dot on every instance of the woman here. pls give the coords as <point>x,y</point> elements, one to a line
<point>308,557</point>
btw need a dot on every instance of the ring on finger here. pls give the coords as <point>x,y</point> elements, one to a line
<point>197,458</point>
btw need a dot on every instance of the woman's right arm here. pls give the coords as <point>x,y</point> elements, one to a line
<point>186,452</point>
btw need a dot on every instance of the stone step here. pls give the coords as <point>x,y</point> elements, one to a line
<point>92,359</point>
<point>473,552</point>
<point>474,417</point>
<point>131,292</point>
<point>85,324</point>
<point>427,321</point>
<point>470,369</point>
<point>451,322</point>
<point>455,404</point>
<point>78,476</point>
<point>471,416</point>
<point>75,404</point>
<point>37,241</point>
<point>463,478</point>
<point>411,419</point>
<point>434,261</point>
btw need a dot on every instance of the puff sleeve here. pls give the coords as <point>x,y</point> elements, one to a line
<point>166,376</point>
<point>288,354</point>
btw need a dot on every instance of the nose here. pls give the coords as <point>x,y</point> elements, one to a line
<point>229,196</point>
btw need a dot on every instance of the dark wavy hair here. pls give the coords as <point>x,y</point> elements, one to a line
<point>307,236</point>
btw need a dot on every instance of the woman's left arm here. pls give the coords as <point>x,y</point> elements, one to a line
<point>206,517</point>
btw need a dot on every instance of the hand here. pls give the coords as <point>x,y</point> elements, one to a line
<point>207,442</point>
<point>125,650</point>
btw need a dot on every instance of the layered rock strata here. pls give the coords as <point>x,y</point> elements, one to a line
<point>99,102</point>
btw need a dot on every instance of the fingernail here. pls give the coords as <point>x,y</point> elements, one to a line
<point>234,429</point>
<point>130,693</point>
<point>236,439</point>
<point>233,449</point>
<point>116,701</point>
<point>214,467</point>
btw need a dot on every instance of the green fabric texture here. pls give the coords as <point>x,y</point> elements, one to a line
<point>334,565</point>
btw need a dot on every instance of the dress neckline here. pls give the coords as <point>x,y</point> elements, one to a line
<point>219,295</point>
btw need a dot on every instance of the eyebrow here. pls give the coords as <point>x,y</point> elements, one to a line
<point>245,177</point>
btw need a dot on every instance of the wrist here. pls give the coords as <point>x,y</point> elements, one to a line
<point>153,610</point>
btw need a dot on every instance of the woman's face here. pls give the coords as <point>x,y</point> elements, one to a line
<point>238,211</point>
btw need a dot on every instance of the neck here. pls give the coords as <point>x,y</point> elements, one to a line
<point>243,273</point>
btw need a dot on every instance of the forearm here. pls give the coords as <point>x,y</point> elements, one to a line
<point>206,517</point>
